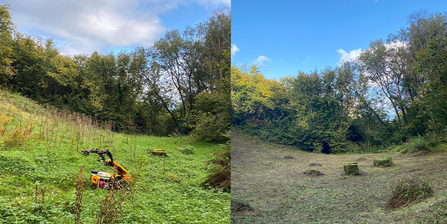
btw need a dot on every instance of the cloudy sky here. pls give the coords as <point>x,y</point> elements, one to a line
<point>284,37</point>
<point>85,26</point>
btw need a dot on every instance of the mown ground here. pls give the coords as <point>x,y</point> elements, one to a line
<point>279,192</point>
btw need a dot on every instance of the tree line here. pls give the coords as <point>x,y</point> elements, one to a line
<point>180,85</point>
<point>394,92</point>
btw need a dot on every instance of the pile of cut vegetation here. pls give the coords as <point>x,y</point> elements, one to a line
<point>313,173</point>
<point>409,191</point>
<point>383,162</point>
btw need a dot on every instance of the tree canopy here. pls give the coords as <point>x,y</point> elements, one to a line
<point>175,86</point>
<point>396,90</point>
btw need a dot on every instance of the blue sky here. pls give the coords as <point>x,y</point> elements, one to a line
<point>284,37</point>
<point>85,26</point>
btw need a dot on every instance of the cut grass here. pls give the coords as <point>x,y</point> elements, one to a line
<point>166,189</point>
<point>279,192</point>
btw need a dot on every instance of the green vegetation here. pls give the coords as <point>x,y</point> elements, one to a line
<point>41,182</point>
<point>383,162</point>
<point>188,150</point>
<point>220,166</point>
<point>351,168</point>
<point>179,87</point>
<point>345,109</point>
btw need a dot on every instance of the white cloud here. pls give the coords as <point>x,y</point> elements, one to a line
<point>234,50</point>
<point>83,26</point>
<point>396,44</point>
<point>354,54</point>
<point>261,59</point>
<point>348,57</point>
<point>307,59</point>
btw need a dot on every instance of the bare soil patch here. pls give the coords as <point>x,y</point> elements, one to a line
<point>279,191</point>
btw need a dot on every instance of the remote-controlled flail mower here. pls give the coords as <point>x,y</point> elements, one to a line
<point>103,180</point>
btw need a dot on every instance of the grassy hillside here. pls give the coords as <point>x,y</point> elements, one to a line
<point>279,192</point>
<point>40,159</point>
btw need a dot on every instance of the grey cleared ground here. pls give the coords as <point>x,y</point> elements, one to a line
<point>278,191</point>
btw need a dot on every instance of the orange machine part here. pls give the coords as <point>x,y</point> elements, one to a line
<point>94,179</point>
<point>120,168</point>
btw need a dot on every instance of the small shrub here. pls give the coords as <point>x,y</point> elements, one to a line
<point>414,145</point>
<point>4,121</point>
<point>187,150</point>
<point>16,136</point>
<point>220,176</point>
<point>420,144</point>
<point>433,139</point>
<point>409,191</point>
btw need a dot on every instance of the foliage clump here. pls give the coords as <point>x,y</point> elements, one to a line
<point>351,169</point>
<point>409,191</point>
<point>15,136</point>
<point>187,150</point>
<point>238,206</point>
<point>417,144</point>
<point>313,173</point>
<point>384,162</point>
<point>220,168</point>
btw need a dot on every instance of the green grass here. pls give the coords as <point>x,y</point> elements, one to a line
<point>166,189</point>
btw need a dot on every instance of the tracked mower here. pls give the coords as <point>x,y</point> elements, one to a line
<point>107,181</point>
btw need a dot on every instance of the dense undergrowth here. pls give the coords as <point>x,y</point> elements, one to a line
<point>40,159</point>
<point>427,142</point>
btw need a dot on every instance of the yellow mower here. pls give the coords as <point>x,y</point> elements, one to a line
<point>107,181</point>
